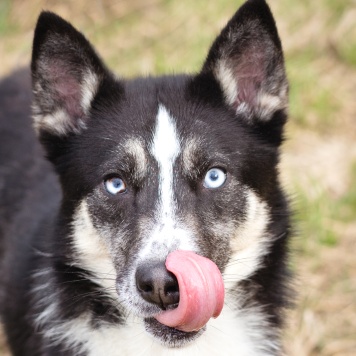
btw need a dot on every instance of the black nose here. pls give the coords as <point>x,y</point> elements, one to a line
<point>157,285</point>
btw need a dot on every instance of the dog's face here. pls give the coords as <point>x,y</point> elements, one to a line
<point>150,166</point>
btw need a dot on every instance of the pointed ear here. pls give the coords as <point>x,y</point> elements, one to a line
<point>66,74</point>
<point>247,61</point>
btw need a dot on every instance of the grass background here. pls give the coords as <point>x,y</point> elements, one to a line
<point>139,37</point>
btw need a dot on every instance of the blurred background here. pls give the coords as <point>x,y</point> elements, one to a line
<point>140,37</point>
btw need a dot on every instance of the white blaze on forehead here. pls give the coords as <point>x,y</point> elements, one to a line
<point>167,234</point>
<point>165,149</point>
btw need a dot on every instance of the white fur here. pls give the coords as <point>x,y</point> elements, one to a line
<point>41,273</point>
<point>43,301</point>
<point>243,332</point>
<point>57,122</point>
<point>136,149</point>
<point>243,109</point>
<point>189,151</point>
<point>250,242</point>
<point>89,87</point>
<point>269,104</point>
<point>47,313</point>
<point>92,253</point>
<point>165,149</point>
<point>228,81</point>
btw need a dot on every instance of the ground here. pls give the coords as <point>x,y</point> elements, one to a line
<point>319,163</point>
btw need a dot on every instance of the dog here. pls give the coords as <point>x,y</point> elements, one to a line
<point>119,174</point>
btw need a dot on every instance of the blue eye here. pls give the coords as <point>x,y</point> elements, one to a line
<point>115,185</point>
<point>214,178</point>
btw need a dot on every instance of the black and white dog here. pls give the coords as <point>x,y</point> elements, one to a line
<point>140,168</point>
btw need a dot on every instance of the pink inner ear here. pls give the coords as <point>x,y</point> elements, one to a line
<point>250,74</point>
<point>66,89</point>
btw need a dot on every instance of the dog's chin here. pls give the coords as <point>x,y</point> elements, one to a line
<point>165,335</point>
<point>168,336</point>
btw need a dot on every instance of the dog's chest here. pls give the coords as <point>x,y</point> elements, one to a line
<point>232,333</point>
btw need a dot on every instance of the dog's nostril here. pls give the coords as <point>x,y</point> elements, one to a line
<point>147,288</point>
<point>156,285</point>
<point>170,289</point>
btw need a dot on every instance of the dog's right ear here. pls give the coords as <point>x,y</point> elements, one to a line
<point>66,75</point>
<point>245,70</point>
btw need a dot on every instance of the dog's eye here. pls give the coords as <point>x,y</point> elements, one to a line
<point>214,178</point>
<point>115,185</point>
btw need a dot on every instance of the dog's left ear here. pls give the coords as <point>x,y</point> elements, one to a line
<point>246,60</point>
<point>66,75</point>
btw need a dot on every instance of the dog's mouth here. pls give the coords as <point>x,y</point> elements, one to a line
<point>201,291</point>
<point>201,296</point>
<point>168,336</point>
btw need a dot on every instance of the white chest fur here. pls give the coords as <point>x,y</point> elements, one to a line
<point>244,333</point>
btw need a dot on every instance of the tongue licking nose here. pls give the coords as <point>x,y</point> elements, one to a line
<point>201,291</point>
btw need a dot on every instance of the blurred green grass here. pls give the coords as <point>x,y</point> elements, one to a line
<point>140,37</point>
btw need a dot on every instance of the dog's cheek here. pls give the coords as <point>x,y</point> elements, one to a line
<point>215,239</point>
<point>218,219</point>
<point>105,210</point>
<point>116,227</point>
<point>92,250</point>
<point>250,241</point>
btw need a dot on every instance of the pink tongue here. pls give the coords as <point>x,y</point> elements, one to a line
<point>201,291</point>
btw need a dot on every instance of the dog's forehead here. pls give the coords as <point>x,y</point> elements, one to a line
<point>157,120</point>
<point>166,142</point>
<point>145,99</point>
<point>168,135</point>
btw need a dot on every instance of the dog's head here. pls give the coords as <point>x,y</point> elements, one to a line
<point>153,165</point>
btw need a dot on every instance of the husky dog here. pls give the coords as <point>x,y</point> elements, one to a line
<point>135,170</point>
